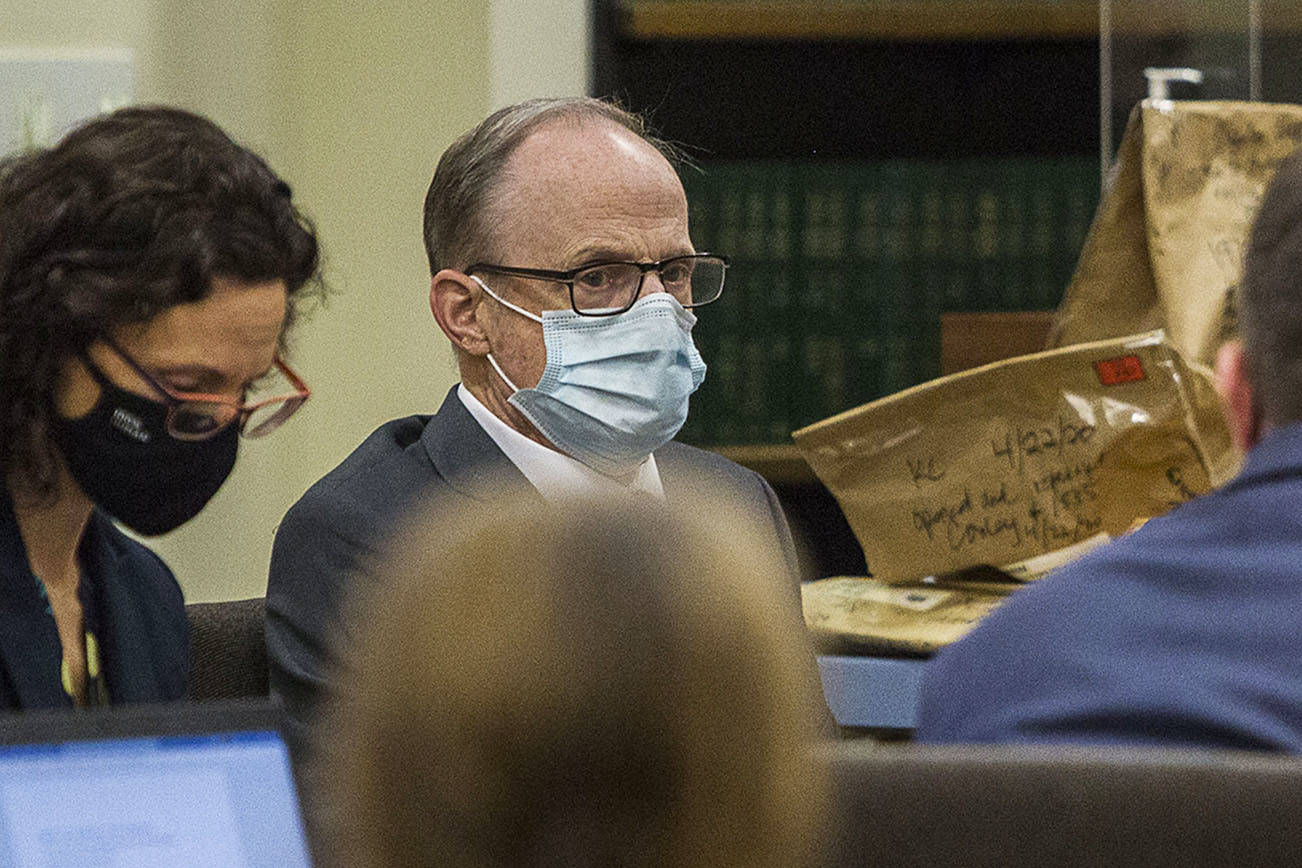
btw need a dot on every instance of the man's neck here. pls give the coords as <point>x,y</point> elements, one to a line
<point>482,381</point>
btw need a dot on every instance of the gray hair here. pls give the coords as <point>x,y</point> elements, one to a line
<point>1270,298</point>
<point>461,193</point>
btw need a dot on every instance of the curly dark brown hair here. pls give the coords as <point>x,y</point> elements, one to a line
<point>130,214</point>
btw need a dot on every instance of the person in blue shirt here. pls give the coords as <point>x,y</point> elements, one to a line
<point>149,267</point>
<point>1188,631</point>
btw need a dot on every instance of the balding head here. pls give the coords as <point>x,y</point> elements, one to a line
<point>461,195</point>
<point>537,192</point>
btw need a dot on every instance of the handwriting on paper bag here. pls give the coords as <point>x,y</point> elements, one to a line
<point>970,519</point>
<point>1017,443</point>
<point>924,470</point>
<point>1050,498</point>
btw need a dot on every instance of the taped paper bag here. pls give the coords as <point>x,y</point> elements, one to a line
<point>851,615</point>
<point>1020,458</point>
<point>864,616</point>
<point>1166,246</point>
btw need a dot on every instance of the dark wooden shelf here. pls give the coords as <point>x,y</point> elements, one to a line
<point>929,20</point>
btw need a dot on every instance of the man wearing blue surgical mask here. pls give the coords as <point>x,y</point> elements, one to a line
<point>566,281</point>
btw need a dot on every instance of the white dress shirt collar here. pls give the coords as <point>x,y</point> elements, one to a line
<point>556,475</point>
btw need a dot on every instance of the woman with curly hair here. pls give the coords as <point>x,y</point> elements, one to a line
<point>149,269</point>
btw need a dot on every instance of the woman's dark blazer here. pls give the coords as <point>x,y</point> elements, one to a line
<point>130,600</point>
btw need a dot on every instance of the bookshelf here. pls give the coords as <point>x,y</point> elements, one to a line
<point>843,270</point>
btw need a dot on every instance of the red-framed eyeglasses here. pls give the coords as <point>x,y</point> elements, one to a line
<point>199,416</point>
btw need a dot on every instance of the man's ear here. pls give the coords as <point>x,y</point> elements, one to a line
<point>1237,396</point>
<point>454,299</point>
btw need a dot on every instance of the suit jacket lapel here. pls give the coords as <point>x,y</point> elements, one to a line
<point>468,459</point>
<point>30,650</point>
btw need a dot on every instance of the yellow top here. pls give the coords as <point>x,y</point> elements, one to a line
<point>96,689</point>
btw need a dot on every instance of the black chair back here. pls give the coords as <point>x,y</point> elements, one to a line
<point>228,652</point>
<point>1013,807</point>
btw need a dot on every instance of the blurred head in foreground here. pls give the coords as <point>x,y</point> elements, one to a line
<point>610,684</point>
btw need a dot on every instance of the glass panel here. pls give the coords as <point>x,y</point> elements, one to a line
<point>1281,51</point>
<point>1187,49</point>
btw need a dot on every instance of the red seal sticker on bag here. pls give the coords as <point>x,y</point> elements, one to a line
<point>1126,369</point>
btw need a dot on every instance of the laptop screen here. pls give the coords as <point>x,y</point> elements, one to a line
<point>223,798</point>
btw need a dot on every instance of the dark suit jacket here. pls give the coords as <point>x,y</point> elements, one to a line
<point>1186,632</point>
<point>329,542</point>
<point>131,601</point>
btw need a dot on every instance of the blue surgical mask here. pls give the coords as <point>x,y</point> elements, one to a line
<point>615,388</point>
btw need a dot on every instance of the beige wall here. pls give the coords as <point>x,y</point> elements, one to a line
<point>352,104</point>
<point>76,23</point>
<point>540,48</point>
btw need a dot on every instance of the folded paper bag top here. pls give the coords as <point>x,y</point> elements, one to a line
<point>1021,457</point>
<point>1165,249</point>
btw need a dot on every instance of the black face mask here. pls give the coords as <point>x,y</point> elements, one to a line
<point>125,461</point>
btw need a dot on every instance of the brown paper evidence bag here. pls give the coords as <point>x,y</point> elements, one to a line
<point>1026,464</point>
<point>1020,465</point>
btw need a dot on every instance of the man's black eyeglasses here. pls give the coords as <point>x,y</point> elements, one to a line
<point>609,288</point>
